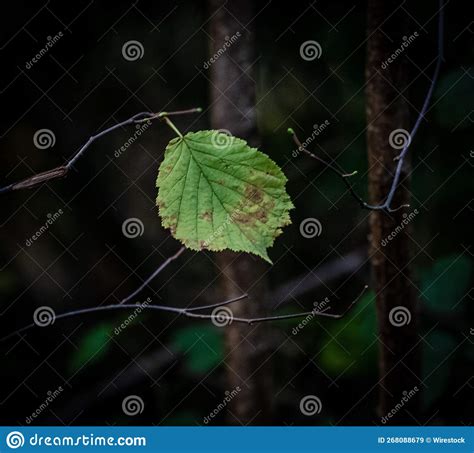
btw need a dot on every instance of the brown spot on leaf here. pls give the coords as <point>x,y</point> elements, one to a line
<point>207,215</point>
<point>261,215</point>
<point>253,194</point>
<point>243,218</point>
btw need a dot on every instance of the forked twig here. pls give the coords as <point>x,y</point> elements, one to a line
<point>63,170</point>
<point>191,313</point>
<point>153,275</point>
<point>387,204</point>
<point>343,176</point>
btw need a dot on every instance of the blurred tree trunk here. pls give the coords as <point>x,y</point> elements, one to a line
<point>233,109</point>
<point>387,111</point>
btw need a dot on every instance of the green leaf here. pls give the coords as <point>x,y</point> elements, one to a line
<point>216,193</point>
<point>444,288</point>
<point>349,345</point>
<point>92,346</point>
<point>202,347</point>
<point>445,285</point>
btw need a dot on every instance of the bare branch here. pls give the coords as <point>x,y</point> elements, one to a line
<point>63,170</point>
<point>190,313</point>
<point>331,167</point>
<point>153,275</point>
<point>387,205</point>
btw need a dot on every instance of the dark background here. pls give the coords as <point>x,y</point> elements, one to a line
<point>177,366</point>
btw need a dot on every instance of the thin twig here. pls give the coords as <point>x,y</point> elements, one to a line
<point>343,176</point>
<point>306,313</point>
<point>218,304</point>
<point>190,313</point>
<point>153,275</point>
<point>387,204</point>
<point>63,170</point>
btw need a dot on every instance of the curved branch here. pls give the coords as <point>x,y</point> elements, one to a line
<point>63,170</point>
<point>153,275</point>
<point>387,205</point>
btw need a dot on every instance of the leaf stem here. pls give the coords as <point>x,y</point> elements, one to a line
<point>172,126</point>
<point>63,170</point>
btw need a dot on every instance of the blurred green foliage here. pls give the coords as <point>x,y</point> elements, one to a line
<point>202,347</point>
<point>94,344</point>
